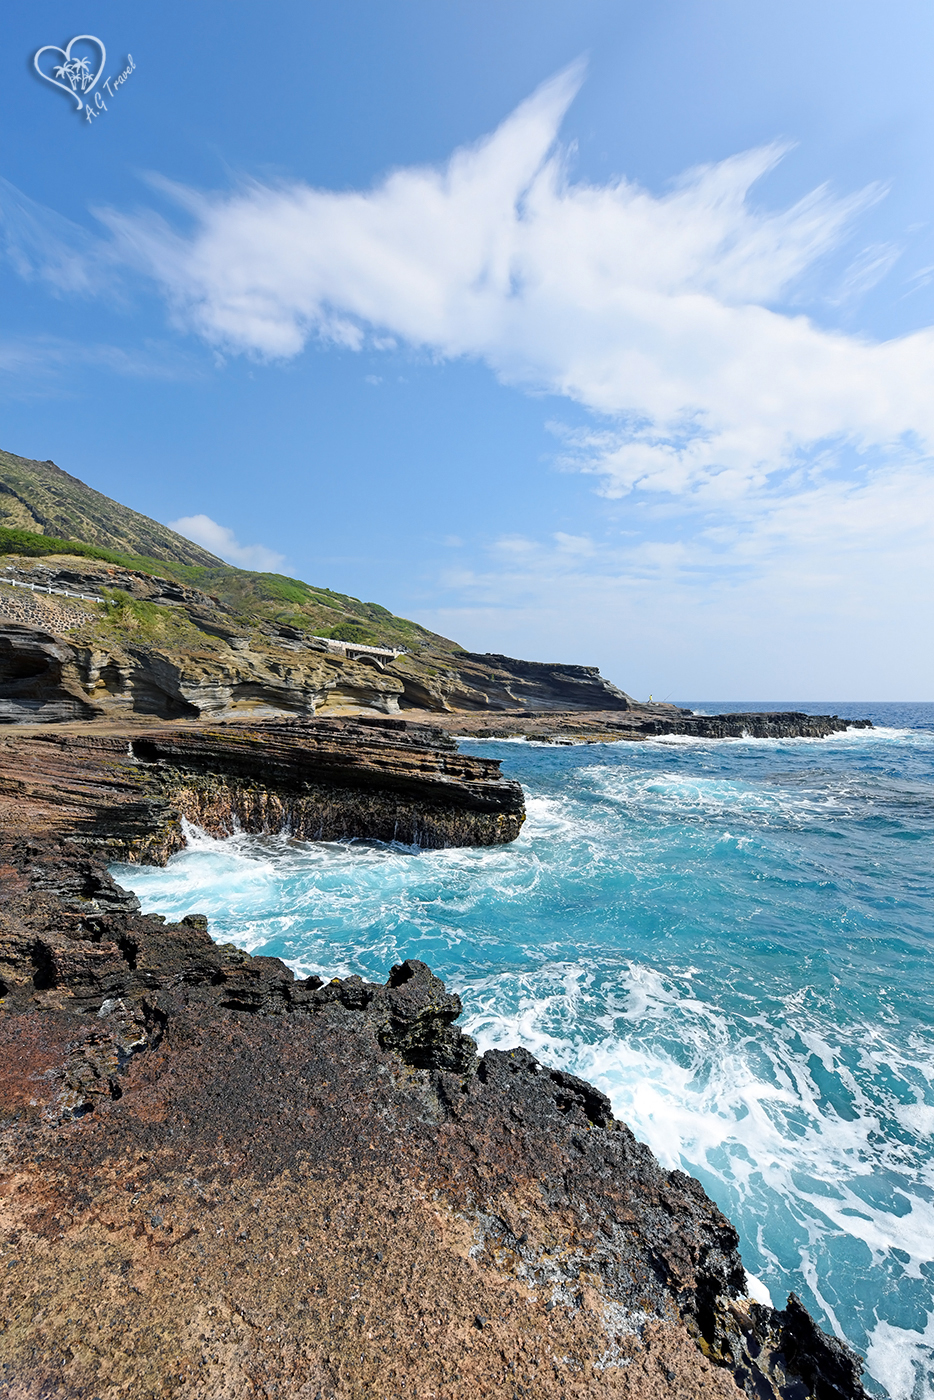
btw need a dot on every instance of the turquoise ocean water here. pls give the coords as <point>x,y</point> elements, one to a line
<point>732,938</point>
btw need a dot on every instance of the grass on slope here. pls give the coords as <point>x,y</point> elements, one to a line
<point>39,497</point>
<point>252,597</point>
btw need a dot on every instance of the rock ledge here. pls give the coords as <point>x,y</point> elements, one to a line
<point>222,1181</point>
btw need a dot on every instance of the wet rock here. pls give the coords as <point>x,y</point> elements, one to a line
<point>646,721</point>
<point>127,790</point>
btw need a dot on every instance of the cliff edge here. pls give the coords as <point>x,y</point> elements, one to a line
<point>222,1181</point>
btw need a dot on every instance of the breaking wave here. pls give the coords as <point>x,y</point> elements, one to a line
<point>731,938</point>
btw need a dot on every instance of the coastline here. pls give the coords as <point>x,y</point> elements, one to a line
<point>637,724</point>
<point>344,1144</point>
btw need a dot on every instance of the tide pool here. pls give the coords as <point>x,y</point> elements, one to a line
<point>731,938</point>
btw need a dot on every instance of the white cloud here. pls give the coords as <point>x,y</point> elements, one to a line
<point>866,271</point>
<point>222,541</point>
<point>40,366</point>
<point>43,246</point>
<point>775,475</point>
<point>660,311</point>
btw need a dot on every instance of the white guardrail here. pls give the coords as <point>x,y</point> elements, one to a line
<point>332,643</point>
<point>43,588</point>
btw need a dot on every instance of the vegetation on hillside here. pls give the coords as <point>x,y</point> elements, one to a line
<point>46,513</point>
<point>39,497</point>
<point>246,596</point>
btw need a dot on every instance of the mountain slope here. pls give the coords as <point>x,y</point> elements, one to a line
<point>41,498</point>
<point>106,612</point>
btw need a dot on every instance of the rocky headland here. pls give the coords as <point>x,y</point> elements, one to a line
<point>87,640</point>
<point>219,1181</point>
<point>108,615</point>
<point>127,790</point>
<point>639,722</point>
<point>222,1181</point>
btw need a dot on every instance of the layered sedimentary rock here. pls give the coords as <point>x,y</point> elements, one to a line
<point>487,681</point>
<point>224,1182</point>
<point>184,653</point>
<point>46,677</point>
<point>127,790</point>
<point>39,677</point>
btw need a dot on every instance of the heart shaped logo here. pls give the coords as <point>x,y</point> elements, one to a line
<point>74,73</point>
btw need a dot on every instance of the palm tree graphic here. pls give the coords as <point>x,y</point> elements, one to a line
<point>78,70</point>
<point>84,72</point>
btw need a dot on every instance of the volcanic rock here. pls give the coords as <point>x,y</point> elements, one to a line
<point>127,790</point>
<point>219,1180</point>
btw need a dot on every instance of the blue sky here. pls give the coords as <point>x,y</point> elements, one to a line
<point>597,332</point>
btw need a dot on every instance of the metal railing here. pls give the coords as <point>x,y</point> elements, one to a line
<point>43,588</point>
<point>334,644</point>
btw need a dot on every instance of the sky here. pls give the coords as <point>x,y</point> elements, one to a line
<point>598,332</point>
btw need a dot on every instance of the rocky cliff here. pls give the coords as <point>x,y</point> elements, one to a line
<point>220,1181</point>
<point>154,646</point>
<point>126,792</point>
<point>92,629</point>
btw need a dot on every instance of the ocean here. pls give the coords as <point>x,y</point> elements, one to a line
<point>732,938</point>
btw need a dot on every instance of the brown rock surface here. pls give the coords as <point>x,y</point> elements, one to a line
<point>171,651</point>
<point>220,1182</point>
<point>127,788</point>
<point>164,648</point>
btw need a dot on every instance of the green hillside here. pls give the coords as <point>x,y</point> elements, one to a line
<point>180,634</point>
<point>247,597</point>
<point>42,499</point>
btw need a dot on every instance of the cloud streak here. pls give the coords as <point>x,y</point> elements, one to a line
<point>662,313</point>
<point>823,596</point>
<point>43,246</point>
<point>753,454</point>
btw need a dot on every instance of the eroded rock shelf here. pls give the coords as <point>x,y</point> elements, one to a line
<point>220,1181</point>
<point>126,790</point>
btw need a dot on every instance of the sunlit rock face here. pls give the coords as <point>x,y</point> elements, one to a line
<point>153,646</point>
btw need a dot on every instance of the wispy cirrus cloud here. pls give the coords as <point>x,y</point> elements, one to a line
<point>660,312</point>
<point>866,271</point>
<point>43,246</point>
<point>823,594</point>
<point>39,366</point>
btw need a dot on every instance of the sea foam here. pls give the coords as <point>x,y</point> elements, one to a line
<point>731,938</point>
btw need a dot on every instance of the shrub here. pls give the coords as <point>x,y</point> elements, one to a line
<point>132,614</point>
<point>353,631</point>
